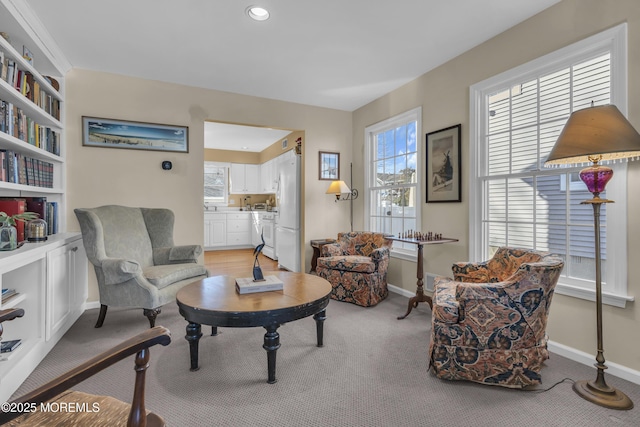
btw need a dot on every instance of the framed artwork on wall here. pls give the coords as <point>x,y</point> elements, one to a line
<point>444,163</point>
<point>329,166</point>
<point>108,133</point>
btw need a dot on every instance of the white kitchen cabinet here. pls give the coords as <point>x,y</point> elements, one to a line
<point>268,177</point>
<point>215,230</point>
<point>244,178</point>
<point>239,229</point>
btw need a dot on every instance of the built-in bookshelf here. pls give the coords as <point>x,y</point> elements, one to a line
<point>31,130</point>
<point>48,279</point>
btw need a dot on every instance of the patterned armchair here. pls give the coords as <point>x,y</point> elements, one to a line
<point>489,321</point>
<point>135,259</point>
<point>356,266</point>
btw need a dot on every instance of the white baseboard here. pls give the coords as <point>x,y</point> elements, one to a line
<point>579,356</point>
<point>401,291</point>
<point>90,305</point>
<point>570,353</point>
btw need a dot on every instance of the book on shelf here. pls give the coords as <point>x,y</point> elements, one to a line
<point>51,217</point>
<point>14,206</point>
<point>20,169</point>
<point>9,346</point>
<point>37,205</point>
<point>15,122</point>
<point>3,66</point>
<point>27,85</point>
<point>246,285</point>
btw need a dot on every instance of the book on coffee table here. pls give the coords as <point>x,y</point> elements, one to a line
<point>246,285</point>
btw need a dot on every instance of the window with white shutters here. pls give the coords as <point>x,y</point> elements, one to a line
<point>518,202</point>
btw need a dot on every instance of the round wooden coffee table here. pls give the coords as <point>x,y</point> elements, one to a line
<point>214,301</point>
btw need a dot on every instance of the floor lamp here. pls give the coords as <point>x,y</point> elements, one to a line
<point>597,134</point>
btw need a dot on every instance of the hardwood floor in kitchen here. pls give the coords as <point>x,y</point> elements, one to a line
<point>236,262</point>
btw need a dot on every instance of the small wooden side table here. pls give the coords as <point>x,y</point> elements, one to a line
<point>317,251</point>
<point>420,296</point>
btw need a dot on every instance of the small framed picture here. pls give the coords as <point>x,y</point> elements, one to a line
<point>26,54</point>
<point>329,166</point>
<point>444,165</point>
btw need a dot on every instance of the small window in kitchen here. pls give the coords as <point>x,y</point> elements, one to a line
<point>216,183</point>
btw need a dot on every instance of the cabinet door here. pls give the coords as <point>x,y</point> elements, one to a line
<point>66,286</point>
<point>236,176</point>
<point>80,270</point>
<point>218,232</point>
<point>252,179</point>
<point>264,176</point>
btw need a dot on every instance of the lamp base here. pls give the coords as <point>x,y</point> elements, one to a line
<point>608,397</point>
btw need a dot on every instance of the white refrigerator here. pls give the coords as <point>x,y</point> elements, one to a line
<point>288,202</point>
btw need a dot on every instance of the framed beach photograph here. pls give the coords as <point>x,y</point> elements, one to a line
<point>108,133</point>
<point>444,164</point>
<point>329,166</point>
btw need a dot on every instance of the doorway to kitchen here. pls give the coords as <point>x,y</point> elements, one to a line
<point>253,190</point>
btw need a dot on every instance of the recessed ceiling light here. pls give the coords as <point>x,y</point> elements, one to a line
<point>257,13</point>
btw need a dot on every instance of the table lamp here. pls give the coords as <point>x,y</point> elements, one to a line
<point>597,134</point>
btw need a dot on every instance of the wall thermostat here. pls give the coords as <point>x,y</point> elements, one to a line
<point>166,165</point>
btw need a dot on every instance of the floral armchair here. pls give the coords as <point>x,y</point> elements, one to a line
<point>356,266</point>
<point>489,321</point>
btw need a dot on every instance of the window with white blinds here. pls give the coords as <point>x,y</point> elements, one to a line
<point>392,196</point>
<point>518,117</point>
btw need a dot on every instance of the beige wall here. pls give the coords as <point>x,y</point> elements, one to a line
<point>444,96</point>
<point>98,176</point>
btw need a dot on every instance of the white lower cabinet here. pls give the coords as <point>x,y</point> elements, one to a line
<point>50,279</point>
<point>239,229</point>
<point>66,286</point>
<point>230,229</point>
<point>215,230</point>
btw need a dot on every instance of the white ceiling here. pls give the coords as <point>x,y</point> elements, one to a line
<point>224,136</point>
<point>339,54</point>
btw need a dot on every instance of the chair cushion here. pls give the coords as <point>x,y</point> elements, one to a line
<point>164,275</point>
<point>361,264</point>
<point>84,410</point>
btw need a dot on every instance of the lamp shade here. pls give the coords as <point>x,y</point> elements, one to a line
<point>600,134</point>
<point>338,187</point>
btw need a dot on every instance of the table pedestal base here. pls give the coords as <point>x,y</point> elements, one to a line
<point>418,298</point>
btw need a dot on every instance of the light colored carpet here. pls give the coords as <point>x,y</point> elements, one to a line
<point>372,371</point>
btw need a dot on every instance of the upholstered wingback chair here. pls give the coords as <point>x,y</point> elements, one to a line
<point>135,259</point>
<point>356,266</point>
<point>489,321</point>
